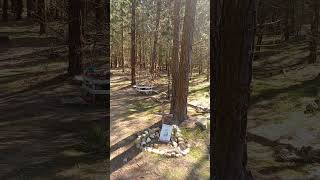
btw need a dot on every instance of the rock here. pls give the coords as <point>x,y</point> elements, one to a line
<point>173,154</point>
<point>161,152</point>
<point>148,140</point>
<point>173,139</point>
<point>155,145</point>
<point>202,123</point>
<point>144,135</point>
<point>146,132</point>
<point>178,155</point>
<point>137,141</point>
<point>138,146</point>
<point>179,135</point>
<point>167,154</point>
<point>175,144</point>
<point>152,136</point>
<point>148,149</point>
<point>188,145</point>
<point>180,139</point>
<point>185,152</point>
<point>143,143</point>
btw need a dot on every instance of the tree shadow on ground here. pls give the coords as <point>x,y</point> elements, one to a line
<point>195,172</point>
<point>118,162</point>
<point>271,93</point>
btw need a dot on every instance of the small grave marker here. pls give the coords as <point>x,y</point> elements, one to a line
<point>165,133</point>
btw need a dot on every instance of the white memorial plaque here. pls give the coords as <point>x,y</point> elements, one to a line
<point>165,133</point>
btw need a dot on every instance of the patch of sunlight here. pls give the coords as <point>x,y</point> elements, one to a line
<point>179,172</point>
<point>195,134</point>
<point>197,153</point>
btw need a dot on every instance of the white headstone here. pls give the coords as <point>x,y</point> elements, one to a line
<point>165,133</point>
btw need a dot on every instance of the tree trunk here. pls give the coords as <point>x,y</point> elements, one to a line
<point>154,52</point>
<point>314,32</point>
<point>5,10</point>
<point>292,17</point>
<point>234,23</point>
<point>99,15</point>
<point>182,89</point>
<point>19,9</point>
<point>13,6</point>
<point>42,16</point>
<point>286,21</point>
<point>75,45</point>
<point>30,8</point>
<point>133,43</point>
<point>175,53</point>
<point>122,40</point>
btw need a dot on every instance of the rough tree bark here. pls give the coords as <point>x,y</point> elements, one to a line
<point>155,40</point>
<point>182,89</point>
<point>175,52</point>
<point>19,9</point>
<point>133,42</point>
<point>5,10</point>
<point>30,8</point>
<point>234,28</point>
<point>75,45</point>
<point>99,15</point>
<point>42,16</point>
<point>314,32</point>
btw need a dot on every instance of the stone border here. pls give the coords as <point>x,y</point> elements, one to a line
<point>177,146</point>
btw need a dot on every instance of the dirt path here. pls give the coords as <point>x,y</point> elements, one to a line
<point>41,137</point>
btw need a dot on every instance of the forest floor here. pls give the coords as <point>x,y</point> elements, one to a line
<point>132,113</point>
<point>283,84</point>
<point>42,137</point>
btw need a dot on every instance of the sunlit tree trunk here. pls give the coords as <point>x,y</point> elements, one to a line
<point>155,40</point>
<point>182,88</point>
<point>233,23</point>
<point>122,40</point>
<point>75,45</point>
<point>133,42</point>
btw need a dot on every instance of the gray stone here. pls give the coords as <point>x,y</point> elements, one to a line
<point>185,152</point>
<point>148,140</point>
<point>175,144</point>
<point>143,143</point>
<point>180,139</point>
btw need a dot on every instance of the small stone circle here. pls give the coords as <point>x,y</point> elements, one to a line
<point>149,141</point>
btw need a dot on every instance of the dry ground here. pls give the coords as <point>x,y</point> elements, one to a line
<point>131,113</point>
<point>40,137</point>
